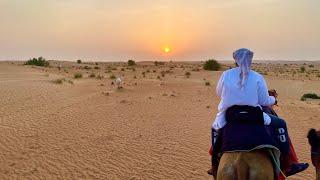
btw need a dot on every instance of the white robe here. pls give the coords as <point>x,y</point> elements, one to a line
<point>254,93</point>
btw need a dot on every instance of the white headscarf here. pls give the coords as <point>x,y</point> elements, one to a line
<point>243,58</point>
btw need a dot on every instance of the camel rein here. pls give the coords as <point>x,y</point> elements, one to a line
<point>315,153</point>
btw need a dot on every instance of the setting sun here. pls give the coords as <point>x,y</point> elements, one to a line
<point>166,49</point>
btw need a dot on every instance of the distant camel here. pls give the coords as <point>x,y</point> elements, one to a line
<point>119,82</point>
<point>314,141</point>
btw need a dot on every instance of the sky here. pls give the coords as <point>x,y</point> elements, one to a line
<point>118,30</point>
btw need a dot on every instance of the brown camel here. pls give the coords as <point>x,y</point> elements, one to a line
<point>245,166</point>
<point>314,141</point>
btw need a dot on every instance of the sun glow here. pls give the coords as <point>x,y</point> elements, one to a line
<point>166,49</point>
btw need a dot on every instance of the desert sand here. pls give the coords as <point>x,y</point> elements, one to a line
<point>53,126</point>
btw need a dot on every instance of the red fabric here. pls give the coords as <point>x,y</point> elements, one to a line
<point>292,154</point>
<point>210,151</point>
<point>287,160</point>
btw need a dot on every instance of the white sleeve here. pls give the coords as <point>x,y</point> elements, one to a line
<point>220,85</point>
<point>264,98</point>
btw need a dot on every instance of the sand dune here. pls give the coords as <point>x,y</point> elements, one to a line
<point>153,128</point>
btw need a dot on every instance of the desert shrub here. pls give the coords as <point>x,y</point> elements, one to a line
<point>40,61</point>
<point>163,73</point>
<point>96,67</point>
<point>156,63</point>
<point>69,81</point>
<point>211,65</point>
<point>131,62</point>
<point>100,76</point>
<point>311,65</point>
<point>79,61</point>
<point>148,70</point>
<point>96,63</point>
<point>87,67</point>
<point>302,69</point>
<point>78,75</point>
<point>187,74</point>
<point>108,71</point>
<point>310,96</point>
<point>92,75</point>
<point>112,76</point>
<point>59,81</point>
<point>122,69</point>
<point>207,83</point>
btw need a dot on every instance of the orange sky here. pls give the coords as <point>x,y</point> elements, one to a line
<point>140,29</point>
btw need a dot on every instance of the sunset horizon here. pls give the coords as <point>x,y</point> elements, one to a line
<point>191,31</point>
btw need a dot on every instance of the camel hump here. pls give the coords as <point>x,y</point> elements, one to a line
<point>246,165</point>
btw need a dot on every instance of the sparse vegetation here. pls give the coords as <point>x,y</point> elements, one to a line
<point>187,74</point>
<point>96,67</point>
<point>59,81</point>
<point>156,63</point>
<point>112,76</point>
<point>207,83</point>
<point>309,96</point>
<point>211,65</point>
<point>302,69</point>
<point>40,61</point>
<point>79,61</point>
<point>131,62</point>
<point>92,75</point>
<point>70,81</point>
<point>100,76</point>
<point>78,75</point>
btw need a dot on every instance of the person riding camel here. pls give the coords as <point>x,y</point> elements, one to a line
<point>241,86</point>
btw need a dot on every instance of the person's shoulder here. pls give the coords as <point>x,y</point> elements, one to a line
<point>256,74</point>
<point>230,71</point>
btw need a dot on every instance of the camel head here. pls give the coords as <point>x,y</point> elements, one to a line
<point>314,141</point>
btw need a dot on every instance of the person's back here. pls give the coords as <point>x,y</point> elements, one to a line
<point>249,95</point>
<point>253,93</point>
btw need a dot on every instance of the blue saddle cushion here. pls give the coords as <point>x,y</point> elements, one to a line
<point>246,136</point>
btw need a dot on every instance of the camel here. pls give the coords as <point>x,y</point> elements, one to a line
<point>246,166</point>
<point>314,141</point>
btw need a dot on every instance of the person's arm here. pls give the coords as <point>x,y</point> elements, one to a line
<point>264,98</point>
<point>220,85</point>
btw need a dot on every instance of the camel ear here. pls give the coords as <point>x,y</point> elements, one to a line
<point>312,137</point>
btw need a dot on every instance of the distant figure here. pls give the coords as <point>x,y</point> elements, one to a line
<point>59,67</point>
<point>119,82</point>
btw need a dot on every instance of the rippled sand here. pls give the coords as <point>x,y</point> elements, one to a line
<point>154,129</point>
